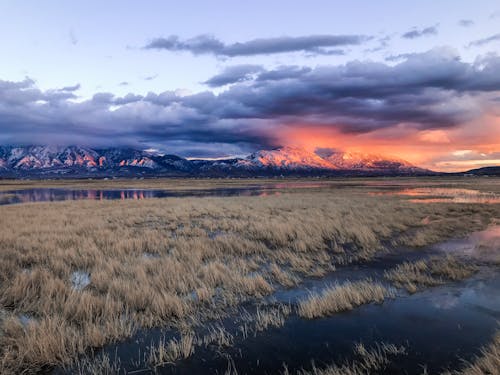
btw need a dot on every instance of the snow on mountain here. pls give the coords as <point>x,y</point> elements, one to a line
<point>77,160</point>
<point>358,161</point>
<point>287,158</point>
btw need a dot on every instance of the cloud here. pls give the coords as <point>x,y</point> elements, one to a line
<point>73,39</point>
<point>466,23</point>
<point>208,44</point>
<point>71,88</point>
<point>150,78</point>
<point>495,15</point>
<point>467,159</point>
<point>429,92</point>
<point>233,74</point>
<point>417,33</point>
<point>484,41</point>
<point>434,136</point>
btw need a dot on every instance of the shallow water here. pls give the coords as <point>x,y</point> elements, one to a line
<point>440,194</point>
<point>60,194</point>
<point>440,326</point>
<point>483,245</point>
<point>417,195</point>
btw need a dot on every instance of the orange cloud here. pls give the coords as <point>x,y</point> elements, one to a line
<point>455,149</point>
<point>434,136</point>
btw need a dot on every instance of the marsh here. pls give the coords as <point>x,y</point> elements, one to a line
<point>235,280</point>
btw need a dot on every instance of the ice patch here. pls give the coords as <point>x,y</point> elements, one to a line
<point>80,279</point>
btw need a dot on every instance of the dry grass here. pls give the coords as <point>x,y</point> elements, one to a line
<point>431,272</point>
<point>172,350</point>
<point>370,361</point>
<point>156,262</point>
<point>217,335</point>
<point>343,297</point>
<point>101,365</point>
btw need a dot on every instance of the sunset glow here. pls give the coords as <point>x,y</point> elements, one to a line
<point>418,88</point>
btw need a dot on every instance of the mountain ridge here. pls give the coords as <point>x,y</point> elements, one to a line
<point>64,161</point>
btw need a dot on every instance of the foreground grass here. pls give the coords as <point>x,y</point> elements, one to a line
<point>430,272</point>
<point>342,298</point>
<point>177,262</point>
<point>372,360</point>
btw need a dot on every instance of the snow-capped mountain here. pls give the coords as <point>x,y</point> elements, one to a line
<point>77,161</point>
<point>293,158</point>
<point>357,161</point>
<point>287,158</point>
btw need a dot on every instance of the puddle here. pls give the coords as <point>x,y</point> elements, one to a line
<point>147,255</point>
<point>436,195</point>
<point>26,319</point>
<point>482,246</point>
<point>80,279</point>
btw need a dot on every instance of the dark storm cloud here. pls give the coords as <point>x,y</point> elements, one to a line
<point>208,44</point>
<point>233,74</point>
<point>430,90</point>
<point>483,41</point>
<point>417,33</point>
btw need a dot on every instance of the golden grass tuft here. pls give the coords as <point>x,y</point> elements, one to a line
<point>372,360</point>
<point>172,350</point>
<point>343,297</point>
<point>431,272</point>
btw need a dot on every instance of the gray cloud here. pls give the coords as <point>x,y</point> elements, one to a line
<point>466,23</point>
<point>233,74</point>
<point>483,41</point>
<point>425,91</point>
<point>150,78</point>
<point>207,44</point>
<point>71,88</point>
<point>417,33</point>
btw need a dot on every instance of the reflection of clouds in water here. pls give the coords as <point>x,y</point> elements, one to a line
<point>436,195</point>
<point>483,245</point>
<point>445,302</point>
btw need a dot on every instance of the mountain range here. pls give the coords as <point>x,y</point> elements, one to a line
<point>78,161</point>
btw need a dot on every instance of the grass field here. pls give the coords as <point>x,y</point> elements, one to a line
<point>78,275</point>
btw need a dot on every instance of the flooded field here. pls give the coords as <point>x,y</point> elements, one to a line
<point>440,194</point>
<point>375,188</point>
<point>439,327</point>
<point>292,277</point>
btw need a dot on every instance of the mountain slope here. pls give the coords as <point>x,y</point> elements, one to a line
<point>77,161</point>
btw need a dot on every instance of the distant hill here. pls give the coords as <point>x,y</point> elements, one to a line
<point>78,161</point>
<point>485,171</point>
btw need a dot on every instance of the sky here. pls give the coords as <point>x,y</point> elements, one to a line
<point>416,80</point>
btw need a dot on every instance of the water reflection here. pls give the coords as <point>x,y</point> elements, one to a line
<point>483,245</point>
<point>436,195</point>
<point>53,195</point>
<point>418,195</point>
